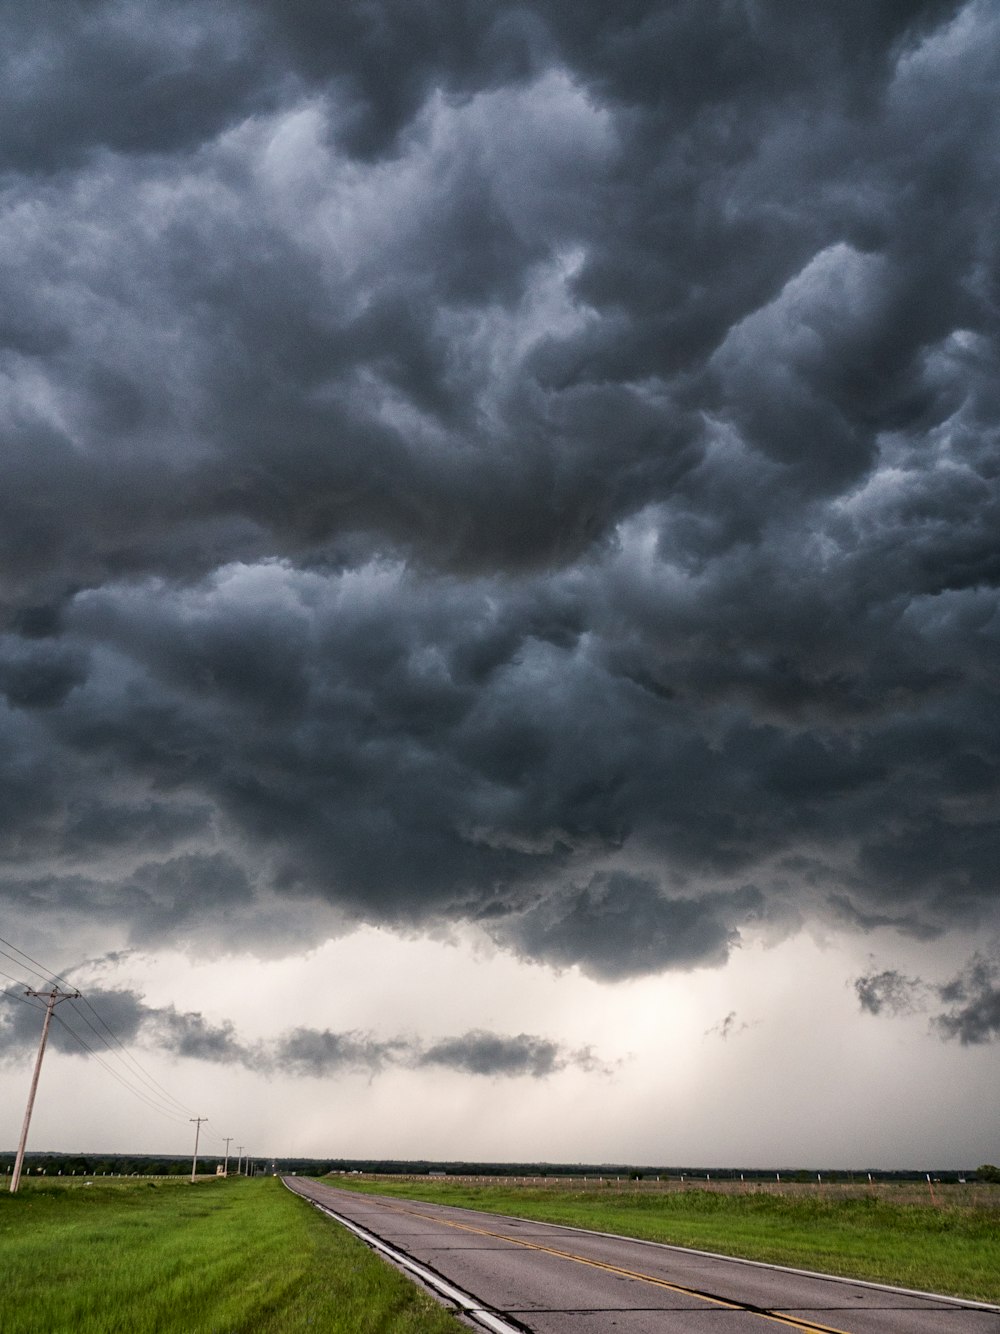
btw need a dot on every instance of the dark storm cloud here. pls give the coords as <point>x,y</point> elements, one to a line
<point>319,1052</point>
<point>77,1024</point>
<point>890,992</point>
<point>190,1034</point>
<point>974,1000</point>
<point>111,1020</point>
<point>141,78</point>
<point>529,467</point>
<point>619,926</point>
<point>127,76</point>
<point>40,676</point>
<point>479,1053</point>
<point>107,1019</point>
<point>104,1018</point>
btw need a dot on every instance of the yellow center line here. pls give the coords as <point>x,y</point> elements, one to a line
<point>795,1322</point>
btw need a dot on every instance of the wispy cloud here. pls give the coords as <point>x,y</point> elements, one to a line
<point>728,1027</point>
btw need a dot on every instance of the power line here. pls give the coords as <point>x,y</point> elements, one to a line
<point>215,1133</point>
<point>21,966</point>
<point>19,981</point>
<point>54,977</point>
<point>138,1093</point>
<point>151,1083</point>
<point>153,1088</point>
<point>147,1078</point>
<point>13,995</point>
<point>133,1059</point>
<point>159,1106</point>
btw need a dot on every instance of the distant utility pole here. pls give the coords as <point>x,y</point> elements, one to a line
<point>52,999</point>
<point>197,1120</point>
<point>225,1169</point>
<point>239,1161</point>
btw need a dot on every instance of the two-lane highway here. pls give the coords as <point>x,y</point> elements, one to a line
<point>551,1280</point>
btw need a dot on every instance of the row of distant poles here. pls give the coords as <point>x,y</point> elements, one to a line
<point>52,999</point>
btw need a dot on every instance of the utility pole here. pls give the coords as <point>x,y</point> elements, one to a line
<point>225,1169</point>
<point>52,999</point>
<point>239,1161</point>
<point>197,1120</point>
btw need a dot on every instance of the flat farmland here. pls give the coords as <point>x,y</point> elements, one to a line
<point>217,1257</point>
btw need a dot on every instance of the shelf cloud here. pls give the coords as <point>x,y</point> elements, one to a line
<point>527,468</point>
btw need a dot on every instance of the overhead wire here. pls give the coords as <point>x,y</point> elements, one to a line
<point>151,1096</point>
<point>25,1000</point>
<point>143,1074</point>
<point>158,1107</point>
<point>22,967</point>
<point>42,971</point>
<point>218,1133</point>
<point>19,980</point>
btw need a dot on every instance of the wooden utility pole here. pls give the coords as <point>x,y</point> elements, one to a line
<point>52,999</point>
<point>225,1169</point>
<point>197,1131</point>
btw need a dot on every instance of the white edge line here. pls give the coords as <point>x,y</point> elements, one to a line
<point>733,1259</point>
<point>463,1300</point>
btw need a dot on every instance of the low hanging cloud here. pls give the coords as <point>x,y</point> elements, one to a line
<point>972,999</point>
<point>189,1034</point>
<point>319,1052</point>
<point>890,992</point>
<point>621,925</point>
<point>481,1053</point>
<point>459,467</point>
<point>301,1053</point>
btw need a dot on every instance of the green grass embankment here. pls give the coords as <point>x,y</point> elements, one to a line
<point>936,1248</point>
<point>218,1257</point>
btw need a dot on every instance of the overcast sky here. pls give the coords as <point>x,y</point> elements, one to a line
<point>499,548</point>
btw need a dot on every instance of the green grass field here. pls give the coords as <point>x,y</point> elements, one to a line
<point>218,1257</point>
<point>943,1247</point>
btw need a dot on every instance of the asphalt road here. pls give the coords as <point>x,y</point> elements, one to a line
<point>552,1280</point>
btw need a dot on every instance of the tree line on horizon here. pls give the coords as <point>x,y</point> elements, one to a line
<point>68,1164</point>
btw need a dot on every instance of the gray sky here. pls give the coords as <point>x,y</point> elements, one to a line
<point>499,548</point>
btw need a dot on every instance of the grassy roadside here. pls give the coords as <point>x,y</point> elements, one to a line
<point>948,1249</point>
<point>233,1257</point>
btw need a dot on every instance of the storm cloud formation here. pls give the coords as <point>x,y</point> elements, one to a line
<point>124,1016</point>
<point>531,467</point>
<point>889,992</point>
<point>972,998</point>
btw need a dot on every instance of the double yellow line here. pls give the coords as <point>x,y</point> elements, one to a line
<point>795,1322</point>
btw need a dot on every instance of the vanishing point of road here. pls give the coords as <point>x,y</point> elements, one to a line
<point>510,1274</point>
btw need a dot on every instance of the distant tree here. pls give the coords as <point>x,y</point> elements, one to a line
<point>988,1172</point>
